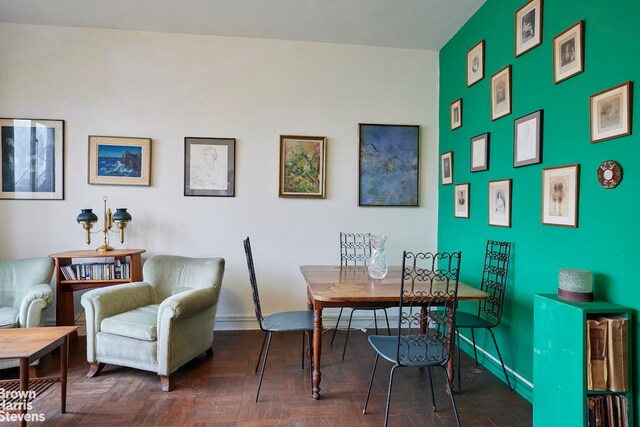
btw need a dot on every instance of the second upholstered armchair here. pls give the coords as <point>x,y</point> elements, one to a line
<point>159,324</point>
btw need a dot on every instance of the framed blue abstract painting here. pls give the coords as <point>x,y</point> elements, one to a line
<point>119,161</point>
<point>389,165</point>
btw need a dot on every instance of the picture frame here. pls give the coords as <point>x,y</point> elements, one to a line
<point>568,53</point>
<point>475,64</point>
<point>455,109</point>
<point>116,160</point>
<point>446,168</point>
<point>528,28</point>
<point>560,187</point>
<point>527,139</point>
<point>389,165</point>
<point>479,156</point>
<point>501,93</point>
<point>303,162</point>
<point>31,159</point>
<point>461,200</point>
<point>610,112</point>
<point>500,203</point>
<point>209,167</point>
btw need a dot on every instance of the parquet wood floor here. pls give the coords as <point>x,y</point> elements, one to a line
<point>220,391</point>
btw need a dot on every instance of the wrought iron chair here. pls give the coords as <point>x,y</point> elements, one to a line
<point>494,282</point>
<point>288,321</point>
<point>425,336</point>
<point>355,249</point>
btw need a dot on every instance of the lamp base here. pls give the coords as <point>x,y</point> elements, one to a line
<point>575,296</point>
<point>104,248</point>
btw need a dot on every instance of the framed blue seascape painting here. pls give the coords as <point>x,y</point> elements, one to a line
<point>119,161</point>
<point>389,165</point>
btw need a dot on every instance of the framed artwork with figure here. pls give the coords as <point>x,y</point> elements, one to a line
<point>560,195</point>
<point>568,53</point>
<point>461,203</point>
<point>446,168</point>
<point>209,166</point>
<point>611,113</point>
<point>475,63</point>
<point>500,203</point>
<point>527,139</point>
<point>528,27</point>
<point>501,93</point>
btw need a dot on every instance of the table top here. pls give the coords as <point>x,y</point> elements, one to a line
<point>333,283</point>
<point>95,254</point>
<point>25,342</point>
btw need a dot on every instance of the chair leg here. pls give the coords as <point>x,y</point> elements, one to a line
<point>433,395</point>
<point>458,351</point>
<point>387,317</point>
<point>386,413</point>
<point>375,321</point>
<point>475,351</point>
<point>94,369</point>
<point>366,402</point>
<point>453,401</point>
<point>337,324</point>
<point>168,382</point>
<point>264,363</point>
<point>310,353</point>
<point>302,353</point>
<point>500,357</point>
<point>264,340</point>
<point>346,340</point>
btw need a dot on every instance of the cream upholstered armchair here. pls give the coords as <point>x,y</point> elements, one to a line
<point>159,324</point>
<point>25,293</point>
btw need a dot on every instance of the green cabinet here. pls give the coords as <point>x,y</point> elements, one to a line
<point>560,359</point>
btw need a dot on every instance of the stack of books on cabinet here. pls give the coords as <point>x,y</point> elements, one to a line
<point>97,270</point>
<point>607,370</point>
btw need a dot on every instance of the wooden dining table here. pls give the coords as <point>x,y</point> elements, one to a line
<point>351,286</point>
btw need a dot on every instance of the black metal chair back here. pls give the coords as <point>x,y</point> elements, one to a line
<point>494,279</point>
<point>428,281</point>
<point>254,283</point>
<point>355,249</point>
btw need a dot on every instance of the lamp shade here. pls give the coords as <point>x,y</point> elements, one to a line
<point>87,215</point>
<point>121,214</point>
<point>575,285</point>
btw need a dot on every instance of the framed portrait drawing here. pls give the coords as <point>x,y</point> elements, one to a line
<point>388,165</point>
<point>500,203</point>
<point>32,159</point>
<point>568,53</point>
<point>528,26</point>
<point>446,168</point>
<point>475,63</point>
<point>115,160</point>
<point>480,153</point>
<point>501,93</point>
<point>461,209</point>
<point>455,109</point>
<point>209,166</point>
<point>527,139</point>
<point>302,166</point>
<point>611,113</point>
<point>560,195</point>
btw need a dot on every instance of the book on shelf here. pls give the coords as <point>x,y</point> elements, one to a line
<point>97,270</point>
<point>607,410</point>
<point>608,353</point>
<point>596,354</point>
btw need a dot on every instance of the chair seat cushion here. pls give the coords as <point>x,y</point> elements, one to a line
<point>468,320</point>
<point>140,323</point>
<point>289,321</point>
<point>419,355</point>
<point>9,317</point>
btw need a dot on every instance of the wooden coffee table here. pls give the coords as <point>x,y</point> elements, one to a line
<point>29,345</point>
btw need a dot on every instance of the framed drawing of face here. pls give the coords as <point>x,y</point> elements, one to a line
<point>528,27</point>
<point>501,93</point>
<point>500,203</point>
<point>611,113</point>
<point>560,195</point>
<point>475,63</point>
<point>568,53</point>
<point>461,204</point>
<point>456,113</point>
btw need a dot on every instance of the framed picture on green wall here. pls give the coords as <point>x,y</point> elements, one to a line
<point>455,110</point>
<point>528,27</point>
<point>461,208</point>
<point>475,63</point>
<point>560,195</point>
<point>501,93</point>
<point>611,113</point>
<point>500,203</point>
<point>480,153</point>
<point>527,140</point>
<point>446,168</point>
<point>568,53</point>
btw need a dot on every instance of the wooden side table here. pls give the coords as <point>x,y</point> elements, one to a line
<point>66,287</point>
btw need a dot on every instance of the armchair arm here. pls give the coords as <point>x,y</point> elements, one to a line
<point>37,299</point>
<point>188,303</point>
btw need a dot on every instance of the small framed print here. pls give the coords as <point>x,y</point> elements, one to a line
<point>446,168</point>
<point>456,114</point>
<point>209,166</point>
<point>475,63</point>
<point>528,26</point>
<point>611,113</point>
<point>302,166</point>
<point>115,160</point>
<point>461,209</point>
<point>560,195</point>
<point>480,153</point>
<point>568,53</point>
<point>527,140</point>
<point>501,93</point>
<point>500,203</point>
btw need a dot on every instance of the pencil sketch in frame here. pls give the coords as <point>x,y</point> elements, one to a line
<point>302,166</point>
<point>446,168</point>
<point>501,93</point>
<point>611,113</point>
<point>209,166</point>
<point>527,139</point>
<point>480,153</point>
<point>560,195</point>
<point>475,63</point>
<point>500,203</point>
<point>456,113</point>
<point>528,27</point>
<point>568,53</point>
<point>461,196</point>
<point>116,160</point>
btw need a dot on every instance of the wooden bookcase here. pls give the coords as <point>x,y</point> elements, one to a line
<point>560,360</point>
<point>65,288</point>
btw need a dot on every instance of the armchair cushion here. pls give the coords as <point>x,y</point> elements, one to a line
<point>139,323</point>
<point>8,317</point>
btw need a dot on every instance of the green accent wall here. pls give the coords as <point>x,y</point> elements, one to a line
<point>607,239</point>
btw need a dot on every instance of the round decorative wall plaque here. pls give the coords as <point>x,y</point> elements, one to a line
<point>609,174</point>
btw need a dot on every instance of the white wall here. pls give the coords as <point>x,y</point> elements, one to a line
<point>170,86</point>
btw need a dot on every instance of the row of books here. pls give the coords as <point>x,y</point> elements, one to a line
<point>608,410</point>
<point>608,353</point>
<point>96,271</point>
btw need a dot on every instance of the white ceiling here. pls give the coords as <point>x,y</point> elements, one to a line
<point>411,24</point>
